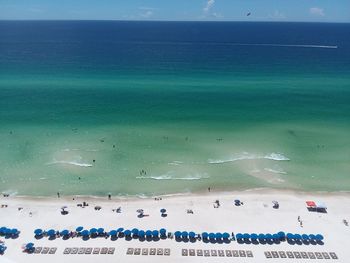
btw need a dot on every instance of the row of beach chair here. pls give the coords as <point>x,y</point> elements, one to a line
<point>45,250</point>
<point>303,255</point>
<point>146,251</point>
<point>89,250</point>
<point>216,253</point>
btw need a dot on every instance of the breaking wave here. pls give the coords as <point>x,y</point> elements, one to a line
<point>275,171</point>
<point>248,156</point>
<point>169,176</point>
<point>75,163</point>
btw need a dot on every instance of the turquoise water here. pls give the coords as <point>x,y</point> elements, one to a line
<point>86,115</point>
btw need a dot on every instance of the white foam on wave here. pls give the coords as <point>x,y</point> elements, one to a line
<point>248,156</point>
<point>175,163</point>
<point>170,176</point>
<point>77,162</point>
<point>275,171</point>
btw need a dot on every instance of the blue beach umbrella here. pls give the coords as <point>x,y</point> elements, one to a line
<point>218,235</point>
<point>225,235</point>
<point>8,231</point>
<point>163,210</point>
<point>162,232</point>
<point>29,246</point>
<point>14,231</point>
<point>319,237</point>
<point>281,234</point>
<point>155,233</point>
<point>253,236</point>
<point>79,229</point>
<point>246,236</point>
<point>100,230</point>
<point>268,236</point>
<point>305,236</point>
<point>38,232</point>
<point>261,236</point>
<point>120,229</point>
<point>85,233</point>
<point>290,236</point>
<point>239,236</point>
<point>211,236</point>
<point>148,233</point>
<point>297,236</point>
<point>135,231</point>
<point>177,234</point>
<point>275,236</point>
<point>192,234</point>
<point>64,232</point>
<point>141,233</point>
<point>93,231</point>
<point>113,233</point>
<point>127,232</point>
<point>184,234</point>
<point>2,230</point>
<point>205,235</point>
<point>312,236</point>
<point>51,232</point>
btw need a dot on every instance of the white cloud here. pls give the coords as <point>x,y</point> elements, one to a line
<point>317,11</point>
<point>146,12</point>
<point>208,6</point>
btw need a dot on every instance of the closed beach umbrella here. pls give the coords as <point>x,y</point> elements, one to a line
<point>163,210</point>
<point>120,229</point>
<point>184,234</point>
<point>148,233</point>
<point>305,236</point>
<point>113,233</point>
<point>239,236</point>
<point>155,233</point>
<point>211,235</point>
<point>51,232</point>
<point>261,236</point>
<point>100,230</point>
<point>205,235</point>
<point>225,235</point>
<point>162,231</point>
<point>38,232</point>
<point>319,237</point>
<point>253,236</point>
<point>64,232</point>
<point>246,236</point>
<point>177,234</point>
<point>218,235</point>
<point>85,233</point>
<point>79,229</point>
<point>192,234</point>
<point>127,232</point>
<point>141,233</point>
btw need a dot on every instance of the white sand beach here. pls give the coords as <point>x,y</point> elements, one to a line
<point>256,215</point>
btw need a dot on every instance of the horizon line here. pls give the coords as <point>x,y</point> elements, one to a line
<point>199,21</point>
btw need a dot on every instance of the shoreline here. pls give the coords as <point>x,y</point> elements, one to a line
<point>184,194</point>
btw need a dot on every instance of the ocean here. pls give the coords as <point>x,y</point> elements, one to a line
<point>150,108</point>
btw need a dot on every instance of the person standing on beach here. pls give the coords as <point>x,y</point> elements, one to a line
<point>58,195</point>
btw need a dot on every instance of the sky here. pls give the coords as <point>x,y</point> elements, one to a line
<point>178,10</point>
